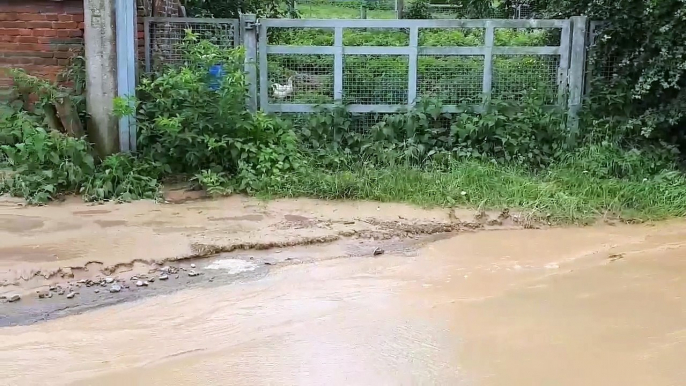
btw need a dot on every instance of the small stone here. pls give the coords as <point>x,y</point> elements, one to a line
<point>109,280</point>
<point>211,279</point>
<point>192,265</point>
<point>49,295</point>
<point>43,294</point>
<point>141,283</point>
<point>61,291</point>
<point>52,288</point>
<point>71,295</point>
<point>164,277</point>
<point>165,269</point>
<point>152,280</point>
<point>14,298</point>
<point>379,251</point>
<point>192,273</point>
<point>134,278</point>
<point>115,288</point>
<point>97,290</point>
<point>177,276</point>
<point>82,281</point>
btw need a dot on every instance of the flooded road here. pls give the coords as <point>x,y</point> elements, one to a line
<point>599,305</point>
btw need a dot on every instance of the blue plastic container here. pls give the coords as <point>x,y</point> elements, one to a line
<point>216,72</point>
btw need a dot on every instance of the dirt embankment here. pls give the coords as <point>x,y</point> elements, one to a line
<point>72,241</point>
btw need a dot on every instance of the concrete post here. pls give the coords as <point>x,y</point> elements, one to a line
<point>101,77</point>
<point>576,76</point>
<point>399,8</point>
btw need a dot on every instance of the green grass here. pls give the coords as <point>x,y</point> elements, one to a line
<point>563,195</point>
<point>323,11</point>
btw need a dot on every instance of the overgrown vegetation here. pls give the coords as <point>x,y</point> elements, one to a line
<point>639,61</point>
<point>496,152</point>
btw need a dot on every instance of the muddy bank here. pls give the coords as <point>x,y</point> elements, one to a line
<point>68,246</point>
<point>576,306</point>
<point>69,297</point>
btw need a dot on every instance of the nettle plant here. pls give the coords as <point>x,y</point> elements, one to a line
<point>189,126</point>
<point>526,131</point>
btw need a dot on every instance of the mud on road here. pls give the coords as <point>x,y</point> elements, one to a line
<point>70,257</point>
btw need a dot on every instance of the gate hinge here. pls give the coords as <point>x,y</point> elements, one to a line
<point>251,24</point>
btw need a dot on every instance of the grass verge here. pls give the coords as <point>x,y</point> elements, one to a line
<point>561,195</point>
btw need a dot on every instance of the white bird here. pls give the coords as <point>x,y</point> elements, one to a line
<point>282,91</point>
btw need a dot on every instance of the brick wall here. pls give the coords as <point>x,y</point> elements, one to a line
<point>39,36</point>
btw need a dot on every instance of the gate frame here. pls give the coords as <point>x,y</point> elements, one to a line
<point>413,51</point>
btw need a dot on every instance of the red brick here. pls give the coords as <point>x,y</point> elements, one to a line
<point>82,25</point>
<point>11,24</point>
<point>65,18</point>
<point>27,39</point>
<point>46,61</point>
<point>8,16</point>
<point>39,24</point>
<point>51,17</point>
<point>30,16</point>
<point>45,32</point>
<point>78,17</point>
<point>25,32</point>
<point>65,25</point>
<point>64,54</point>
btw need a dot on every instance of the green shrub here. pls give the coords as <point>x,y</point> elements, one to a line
<point>418,9</point>
<point>45,163</point>
<point>187,126</point>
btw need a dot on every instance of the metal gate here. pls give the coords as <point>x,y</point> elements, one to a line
<point>344,64</point>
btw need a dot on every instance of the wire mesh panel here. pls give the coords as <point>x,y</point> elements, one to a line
<point>164,37</point>
<point>601,66</point>
<point>301,78</point>
<point>378,67</point>
<point>506,9</point>
<point>375,79</point>
<point>517,75</point>
<point>452,80</point>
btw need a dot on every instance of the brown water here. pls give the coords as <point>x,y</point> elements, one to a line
<point>589,306</point>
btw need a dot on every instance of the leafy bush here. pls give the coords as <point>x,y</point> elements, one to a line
<point>641,49</point>
<point>45,163</point>
<point>418,9</point>
<point>187,126</point>
<point>232,9</point>
<point>525,132</point>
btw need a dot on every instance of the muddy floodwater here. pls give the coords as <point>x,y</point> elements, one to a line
<point>601,305</point>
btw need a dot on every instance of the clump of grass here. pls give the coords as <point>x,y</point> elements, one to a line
<point>561,195</point>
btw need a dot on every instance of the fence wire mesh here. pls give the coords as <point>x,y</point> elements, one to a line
<point>517,75</point>
<point>385,79</point>
<point>602,66</point>
<point>451,9</point>
<point>301,78</point>
<point>375,79</point>
<point>166,38</point>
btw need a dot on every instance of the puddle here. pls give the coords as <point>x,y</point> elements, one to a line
<point>232,266</point>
